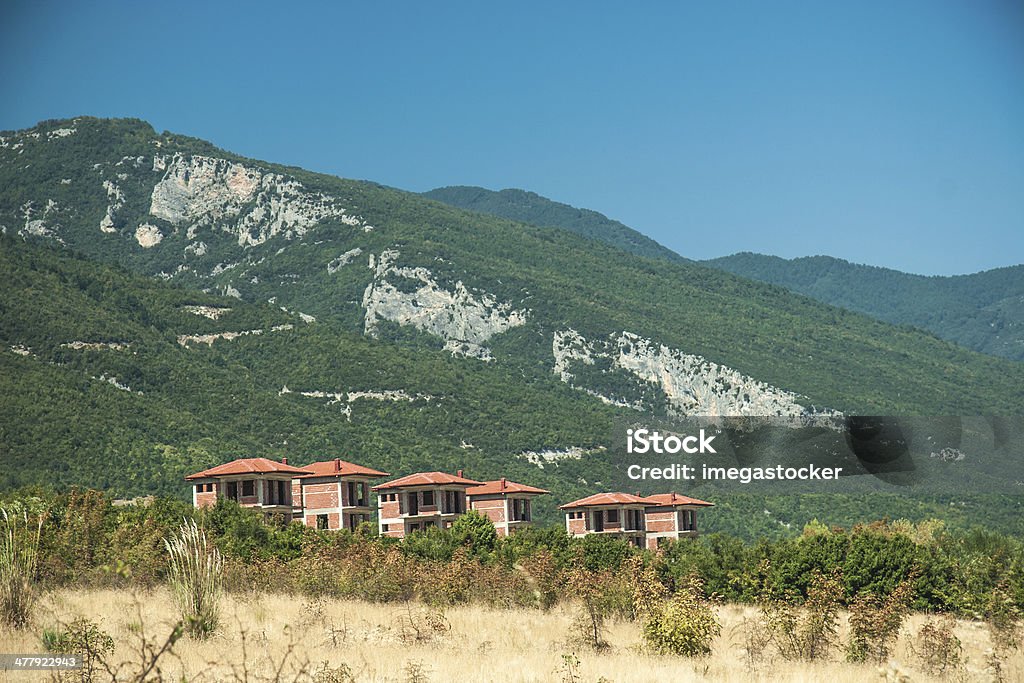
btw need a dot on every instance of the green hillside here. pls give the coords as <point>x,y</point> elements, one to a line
<point>529,207</point>
<point>136,417</point>
<point>982,311</point>
<point>222,228</point>
<point>378,325</point>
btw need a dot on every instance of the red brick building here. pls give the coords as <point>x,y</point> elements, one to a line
<point>252,482</point>
<point>334,495</point>
<point>421,500</point>
<point>671,517</point>
<point>616,514</point>
<point>509,505</point>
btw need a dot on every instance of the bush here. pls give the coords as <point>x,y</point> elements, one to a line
<point>589,627</point>
<point>474,531</point>
<point>809,632</point>
<point>938,648</point>
<point>875,624</point>
<point>685,625</point>
<point>196,572</point>
<point>85,639</point>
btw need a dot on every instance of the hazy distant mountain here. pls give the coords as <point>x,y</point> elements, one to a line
<point>983,311</point>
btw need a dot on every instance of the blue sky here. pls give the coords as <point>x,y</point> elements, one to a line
<point>888,133</point>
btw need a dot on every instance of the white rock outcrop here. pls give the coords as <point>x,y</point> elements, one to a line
<point>148,235</point>
<point>211,312</point>
<point>188,340</point>
<point>95,346</point>
<point>465,320</point>
<point>691,384</point>
<point>253,205</point>
<point>347,398</point>
<point>553,456</point>
<point>115,200</point>
<point>336,264</point>
<point>40,223</point>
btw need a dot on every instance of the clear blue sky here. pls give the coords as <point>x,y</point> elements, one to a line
<point>888,133</point>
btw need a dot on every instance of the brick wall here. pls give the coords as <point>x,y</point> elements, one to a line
<point>320,496</point>
<point>491,507</point>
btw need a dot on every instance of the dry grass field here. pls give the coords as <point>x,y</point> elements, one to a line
<point>279,637</point>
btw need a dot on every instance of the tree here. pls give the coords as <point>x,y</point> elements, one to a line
<point>476,532</point>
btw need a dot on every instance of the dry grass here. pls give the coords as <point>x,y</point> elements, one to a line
<point>285,634</point>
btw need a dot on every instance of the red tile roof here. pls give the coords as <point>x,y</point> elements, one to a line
<point>503,486</point>
<point>248,466</point>
<point>673,499</point>
<point>607,499</point>
<point>340,468</point>
<point>426,479</point>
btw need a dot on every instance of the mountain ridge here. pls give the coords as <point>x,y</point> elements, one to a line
<point>947,306</point>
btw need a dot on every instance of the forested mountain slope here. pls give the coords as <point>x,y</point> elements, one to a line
<point>982,311</point>
<point>644,333</point>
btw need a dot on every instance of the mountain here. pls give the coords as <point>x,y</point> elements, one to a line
<point>127,383</point>
<point>168,305</point>
<point>529,207</point>
<point>983,311</point>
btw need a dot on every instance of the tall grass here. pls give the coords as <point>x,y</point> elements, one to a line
<point>19,554</point>
<point>195,570</point>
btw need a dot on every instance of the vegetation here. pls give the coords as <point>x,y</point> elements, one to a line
<point>975,574</point>
<point>196,574</point>
<point>875,622</point>
<point>981,311</point>
<point>19,546</point>
<point>529,207</point>
<point>812,596</point>
<point>350,641</point>
<point>684,625</point>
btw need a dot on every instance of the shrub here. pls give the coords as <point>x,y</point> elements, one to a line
<point>875,623</point>
<point>475,531</point>
<point>1001,617</point>
<point>808,632</point>
<point>685,625</point>
<point>84,638</point>
<point>938,648</point>
<point>544,577</point>
<point>19,553</point>
<point>589,627</point>
<point>196,571</point>
<point>648,591</point>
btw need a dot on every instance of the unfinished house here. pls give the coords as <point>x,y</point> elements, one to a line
<point>509,505</point>
<point>615,514</point>
<point>419,501</point>
<point>671,516</point>
<point>252,482</point>
<point>335,495</point>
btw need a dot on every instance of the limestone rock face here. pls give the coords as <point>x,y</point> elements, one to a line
<point>343,260</point>
<point>116,200</point>
<point>464,319</point>
<point>253,205</point>
<point>41,223</point>
<point>148,235</point>
<point>692,385</point>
